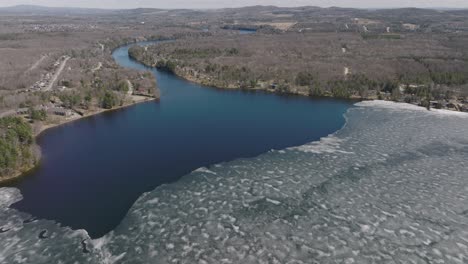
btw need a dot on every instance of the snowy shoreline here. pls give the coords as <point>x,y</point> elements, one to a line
<point>405,106</point>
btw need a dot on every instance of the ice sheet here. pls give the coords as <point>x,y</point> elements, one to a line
<point>391,186</point>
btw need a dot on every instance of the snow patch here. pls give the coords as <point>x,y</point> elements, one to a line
<point>396,106</point>
<point>9,196</point>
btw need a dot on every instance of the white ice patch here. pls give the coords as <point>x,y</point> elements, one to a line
<point>204,170</point>
<point>153,201</point>
<point>330,144</point>
<point>275,202</point>
<point>397,106</point>
<point>9,196</point>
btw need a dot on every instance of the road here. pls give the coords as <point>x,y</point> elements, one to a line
<point>57,74</point>
<point>130,88</point>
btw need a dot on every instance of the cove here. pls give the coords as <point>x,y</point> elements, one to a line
<point>94,169</point>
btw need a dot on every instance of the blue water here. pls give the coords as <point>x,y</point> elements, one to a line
<point>94,169</point>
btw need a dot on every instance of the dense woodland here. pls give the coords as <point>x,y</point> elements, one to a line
<point>340,65</point>
<point>16,146</point>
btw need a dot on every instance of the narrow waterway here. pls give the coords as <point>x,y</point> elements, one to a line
<point>94,169</point>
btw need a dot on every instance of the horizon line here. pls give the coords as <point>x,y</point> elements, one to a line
<point>220,8</point>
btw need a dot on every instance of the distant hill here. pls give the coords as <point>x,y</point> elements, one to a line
<point>248,10</point>
<point>44,10</point>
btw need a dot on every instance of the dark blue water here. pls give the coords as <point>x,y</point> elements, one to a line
<point>94,169</point>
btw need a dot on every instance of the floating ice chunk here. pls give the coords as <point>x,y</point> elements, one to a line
<point>365,228</point>
<point>205,170</point>
<point>273,201</point>
<point>153,201</point>
<point>170,246</point>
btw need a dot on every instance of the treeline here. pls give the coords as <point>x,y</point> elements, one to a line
<point>16,146</point>
<point>106,88</point>
<point>450,78</point>
<point>354,85</point>
<point>374,68</point>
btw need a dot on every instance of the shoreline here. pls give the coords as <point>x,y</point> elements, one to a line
<point>44,128</point>
<point>295,91</point>
<point>37,132</point>
<point>201,82</point>
<point>18,174</point>
<point>265,90</point>
<point>353,98</point>
<point>141,99</point>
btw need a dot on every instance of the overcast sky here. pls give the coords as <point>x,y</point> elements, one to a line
<point>115,4</point>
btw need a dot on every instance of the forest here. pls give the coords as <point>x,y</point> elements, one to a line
<point>17,152</point>
<point>345,65</point>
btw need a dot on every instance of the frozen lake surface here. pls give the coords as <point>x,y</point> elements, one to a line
<point>390,187</point>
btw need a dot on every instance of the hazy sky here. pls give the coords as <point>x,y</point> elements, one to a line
<point>114,4</point>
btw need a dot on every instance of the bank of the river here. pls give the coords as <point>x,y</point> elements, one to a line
<point>18,173</point>
<point>93,170</point>
<point>186,74</point>
<point>136,100</point>
<point>42,127</point>
<point>295,90</point>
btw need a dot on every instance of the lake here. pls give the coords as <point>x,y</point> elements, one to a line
<point>94,169</point>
